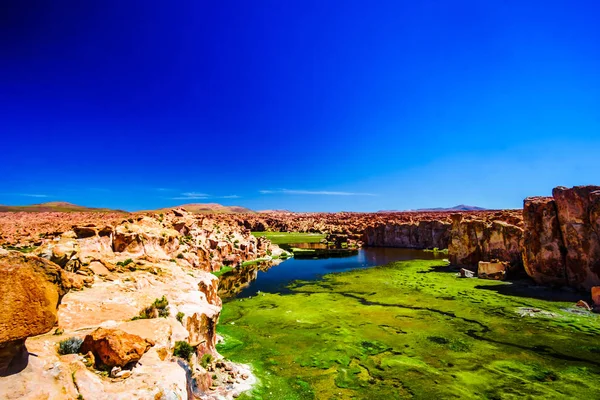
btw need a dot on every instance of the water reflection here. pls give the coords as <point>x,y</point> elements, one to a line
<point>267,277</point>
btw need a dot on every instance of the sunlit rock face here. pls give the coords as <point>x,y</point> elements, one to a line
<point>121,271</point>
<point>419,235</point>
<point>497,236</point>
<point>31,288</point>
<point>543,247</point>
<point>563,237</point>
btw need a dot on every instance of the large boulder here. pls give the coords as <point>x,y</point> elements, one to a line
<point>579,218</point>
<point>31,288</point>
<point>115,348</point>
<point>492,270</point>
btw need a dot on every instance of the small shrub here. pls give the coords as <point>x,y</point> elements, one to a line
<point>183,349</point>
<point>180,316</point>
<point>70,346</point>
<point>205,360</point>
<point>180,256</point>
<point>125,263</point>
<point>159,308</point>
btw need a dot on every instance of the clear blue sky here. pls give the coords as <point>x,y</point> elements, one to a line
<point>300,105</point>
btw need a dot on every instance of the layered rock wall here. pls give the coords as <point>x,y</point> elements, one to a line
<point>562,240</point>
<point>421,235</point>
<point>497,236</point>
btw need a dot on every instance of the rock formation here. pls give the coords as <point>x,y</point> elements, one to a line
<point>413,235</point>
<point>31,290</point>
<point>121,269</point>
<point>114,348</point>
<point>490,237</point>
<point>562,238</point>
<point>543,246</point>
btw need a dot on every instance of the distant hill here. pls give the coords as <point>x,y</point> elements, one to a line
<point>212,208</point>
<point>55,206</point>
<point>273,211</point>
<point>460,207</point>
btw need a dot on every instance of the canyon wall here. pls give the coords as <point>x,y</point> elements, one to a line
<point>412,235</point>
<point>562,237</point>
<point>556,239</point>
<point>494,236</point>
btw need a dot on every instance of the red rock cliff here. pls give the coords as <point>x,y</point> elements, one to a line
<point>562,243</point>
<point>475,238</point>
<point>421,235</point>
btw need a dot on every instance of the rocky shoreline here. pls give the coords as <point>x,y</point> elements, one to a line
<point>128,298</point>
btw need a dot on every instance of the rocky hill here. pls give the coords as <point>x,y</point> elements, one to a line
<point>131,306</point>
<point>211,208</point>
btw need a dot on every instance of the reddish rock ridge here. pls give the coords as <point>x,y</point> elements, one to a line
<point>31,228</point>
<point>394,229</point>
<point>488,237</point>
<point>562,237</point>
<point>412,235</point>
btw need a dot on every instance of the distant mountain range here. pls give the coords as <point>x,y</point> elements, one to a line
<point>460,207</point>
<point>55,206</point>
<point>196,208</point>
<point>212,208</point>
<point>63,206</point>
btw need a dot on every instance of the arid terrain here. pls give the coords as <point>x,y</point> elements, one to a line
<point>126,303</point>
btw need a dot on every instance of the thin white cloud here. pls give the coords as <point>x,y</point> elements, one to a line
<point>32,195</point>
<point>315,192</point>
<point>231,196</point>
<point>191,196</point>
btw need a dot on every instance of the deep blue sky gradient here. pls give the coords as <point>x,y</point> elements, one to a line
<point>321,105</point>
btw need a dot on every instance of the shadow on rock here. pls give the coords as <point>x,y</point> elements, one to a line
<point>14,358</point>
<point>525,288</point>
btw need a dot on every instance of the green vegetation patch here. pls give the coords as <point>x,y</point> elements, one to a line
<point>70,346</point>
<point>159,308</point>
<point>224,269</point>
<point>22,249</point>
<point>184,350</point>
<point>291,237</point>
<point>437,251</point>
<point>410,330</point>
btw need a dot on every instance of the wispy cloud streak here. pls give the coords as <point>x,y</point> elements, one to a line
<point>191,196</point>
<point>202,196</point>
<point>32,195</point>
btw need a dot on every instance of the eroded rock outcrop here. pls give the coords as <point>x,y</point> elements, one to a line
<point>31,289</point>
<point>562,243</point>
<point>412,235</point>
<point>495,237</point>
<point>124,270</point>
<point>543,247</point>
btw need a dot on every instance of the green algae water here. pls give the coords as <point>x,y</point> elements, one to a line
<point>412,329</point>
